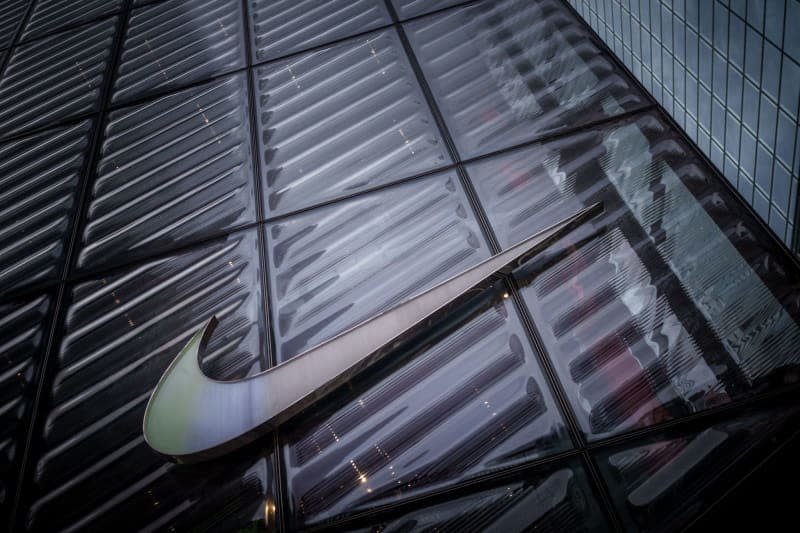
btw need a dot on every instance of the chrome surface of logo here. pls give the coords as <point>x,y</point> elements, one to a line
<point>191,417</point>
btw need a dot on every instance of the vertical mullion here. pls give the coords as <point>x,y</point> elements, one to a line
<point>270,358</point>
<point>15,40</point>
<point>545,361</point>
<point>532,332</point>
<point>45,372</point>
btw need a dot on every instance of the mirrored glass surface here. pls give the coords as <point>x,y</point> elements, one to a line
<point>650,479</point>
<point>283,27</point>
<point>24,326</point>
<point>506,72</point>
<point>40,177</point>
<point>550,499</point>
<point>172,170</point>
<point>171,44</point>
<point>56,77</point>
<point>676,300</point>
<point>121,332</point>
<point>340,120</point>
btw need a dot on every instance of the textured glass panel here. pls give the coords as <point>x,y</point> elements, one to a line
<point>661,483</point>
<point>679,305</point>
<point>39,179</point>
<point>55,77</point>
<point>11,13</point>
<point>172,170</point>
<point>120,334</point>
<point>557,500</point>
<point>341,120</point>
<point>413,8</point>
<point>336,266</point>
<point>171,44</point>
<point>285,26</point>
<point>472,402</point>
<point>51,15</point>
<point>505,72</point>
<point>23,333</point>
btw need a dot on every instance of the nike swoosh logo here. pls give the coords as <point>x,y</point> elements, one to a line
<point>191,417</point>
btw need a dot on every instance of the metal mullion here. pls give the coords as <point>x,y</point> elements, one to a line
<point>534,337</point>
<point>467,486</point>
<point>270,358</point>
<point>91,273</point>
<point>60,309</point>
<point>493,242</point>
<point>6,59</point>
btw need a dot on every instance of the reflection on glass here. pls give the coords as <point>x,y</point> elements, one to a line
<point>662,314</point>
<point>504,72</point>
<point>456,407</point>
<point>121,333</point>
<point>473,402</point>
<point>650,480</point>
<point>557,501</point>
<point>341,120</point>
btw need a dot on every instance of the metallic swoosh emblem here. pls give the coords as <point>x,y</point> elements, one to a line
<point>191,417</point>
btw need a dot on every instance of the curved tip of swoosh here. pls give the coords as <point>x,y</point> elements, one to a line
<point>170,419</point>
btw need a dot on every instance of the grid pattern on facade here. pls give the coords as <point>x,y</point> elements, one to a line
<point>295,167</point>
<point>728,72</point>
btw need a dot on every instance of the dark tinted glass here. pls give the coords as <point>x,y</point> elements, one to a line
<point>474,402</point>
<point>40,176</point>
<point>121,333</point>
<point>171,44</point>
<point>22,337</point>
<point>549,500</point>
<point>650,479</point>
<point>281,28</point>
<point>341,120</point>
<point>678,302</point>
<point>172,170</point>
<point>297,167</point>
<point>56,77</point>
<point>506,72</point>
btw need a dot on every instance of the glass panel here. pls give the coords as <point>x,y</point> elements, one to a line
<point>172,170</point>
<point>23,333</point>
<point>506,72</point>
<point>340,120</point>
<point>681,304</point>
<point>56,77</point>
<point>51,15</point>
<point>558,500</point>
<point>661,483</point>
<point>280,28</point>
<point>334,267</point>
<point>406,9</point>
<point>121,332</point>
<point>39,181</point>
<point>11,13</point>
<point>473,401</point>
<point>172,44</point>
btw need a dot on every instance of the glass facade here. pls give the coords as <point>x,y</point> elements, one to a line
<point>728,72</point>
<point>295,168</point>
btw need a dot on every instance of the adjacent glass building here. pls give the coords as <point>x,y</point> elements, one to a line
<point>728,72</point>
<point>295,168</point>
